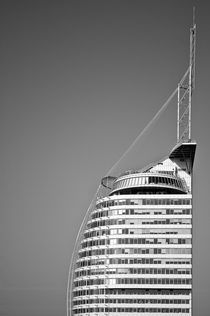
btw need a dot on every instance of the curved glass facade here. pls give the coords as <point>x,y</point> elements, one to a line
<point>134,254</point>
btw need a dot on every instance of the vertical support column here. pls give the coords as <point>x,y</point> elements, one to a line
<point>178,104</point>
<point>192,70</point>
<point>190,102</point>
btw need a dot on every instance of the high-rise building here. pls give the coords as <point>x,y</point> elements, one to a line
<point>133,255</point>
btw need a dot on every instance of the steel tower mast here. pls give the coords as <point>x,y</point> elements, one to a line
<point>185,89</point>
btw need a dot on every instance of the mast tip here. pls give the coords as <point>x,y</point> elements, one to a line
<point>193,16</point>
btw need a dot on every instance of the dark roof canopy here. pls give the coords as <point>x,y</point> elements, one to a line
<point>184,151</point>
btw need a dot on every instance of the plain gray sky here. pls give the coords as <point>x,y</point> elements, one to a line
<point>79,81</point>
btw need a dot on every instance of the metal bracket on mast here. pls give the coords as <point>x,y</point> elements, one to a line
<point>185,89</point>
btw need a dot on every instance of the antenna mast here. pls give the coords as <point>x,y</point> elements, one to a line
<point>185,89</point>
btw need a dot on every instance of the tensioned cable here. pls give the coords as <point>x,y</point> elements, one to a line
<point>144,130</point>
<point>164,106</point>
<point>73,258</point>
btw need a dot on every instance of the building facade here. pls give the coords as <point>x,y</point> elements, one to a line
<point>134,254</point>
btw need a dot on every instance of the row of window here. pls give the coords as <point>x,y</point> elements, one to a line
<point>152,241</point>
<point>138,241</point>
<point>137,231</point>
<point>128,301</point>
<point>106,213</point>
<point>138,221</point>
<point>129,310</point>
<point>119,251</point>
<point>148,180</point>
<point>131,271</point>
<point>136,292</point>
<point>141,191</point>
<point>93,262</point>
<point>130,281</point>
<point>161,201</point>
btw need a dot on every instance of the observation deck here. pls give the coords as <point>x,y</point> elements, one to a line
<point>149,183</point>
